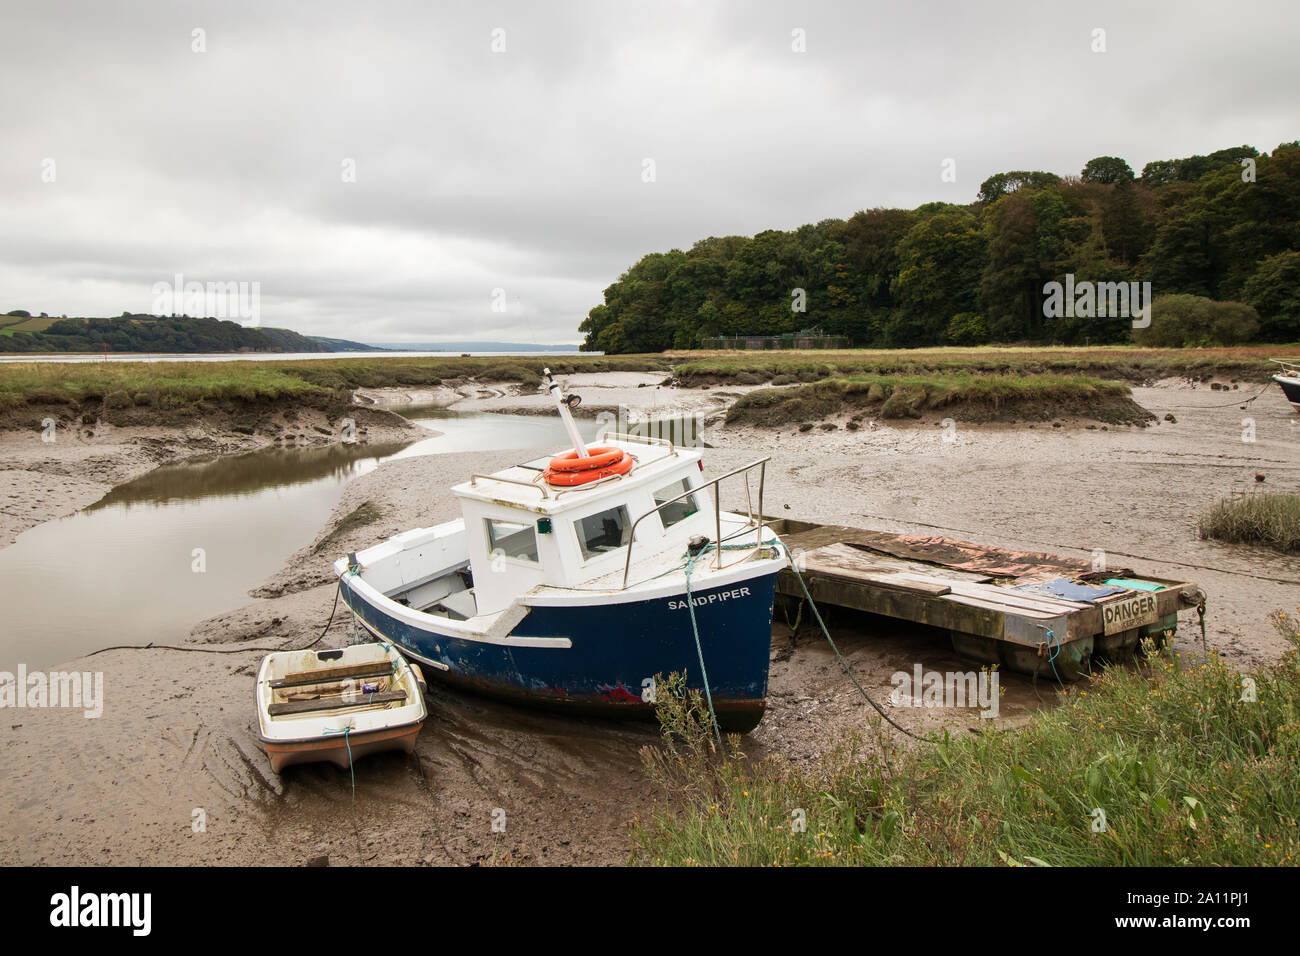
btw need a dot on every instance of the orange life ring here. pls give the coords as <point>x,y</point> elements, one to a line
<point>570,478</point>
<point>596,458</point>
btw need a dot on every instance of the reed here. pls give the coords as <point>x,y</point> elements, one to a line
<point>1122,363</point>
<point>1269,519</point>
<point>1189,764</point>
<point>177,384</point>
<point>963,396</point>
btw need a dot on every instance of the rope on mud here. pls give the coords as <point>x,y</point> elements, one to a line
<point>227,650</point>
<point>1230,404</point>
<point>352,770</point>
<point>843,663</point>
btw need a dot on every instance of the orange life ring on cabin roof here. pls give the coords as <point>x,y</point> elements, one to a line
<point>570,478</point>
<point>596,458</point>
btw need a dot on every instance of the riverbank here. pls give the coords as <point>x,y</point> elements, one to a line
<point>178,733</point>
<point>55,461</point>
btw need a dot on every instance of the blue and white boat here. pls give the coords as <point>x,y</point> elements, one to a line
<point>576,589</point>
<point>1288,378</point>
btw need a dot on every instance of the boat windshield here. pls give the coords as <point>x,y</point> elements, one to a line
<point>603,532</point>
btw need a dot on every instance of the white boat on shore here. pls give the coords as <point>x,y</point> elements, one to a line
<point>1288,379</point>
<point>338,705</point>
<point>573,581</point>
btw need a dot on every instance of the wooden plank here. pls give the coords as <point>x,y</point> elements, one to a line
<point>837,558</point>
<point>327,674</point>
<point>900,582</point>
<point>889,602</point>
<point>1031,602</point>
<point>1004,609</point>
<point>335,703</point>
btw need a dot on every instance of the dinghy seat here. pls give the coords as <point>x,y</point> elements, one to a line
<point>326,675</point>
<point>335,703</point>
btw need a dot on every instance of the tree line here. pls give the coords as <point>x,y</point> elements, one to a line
<point>157,333</point>
<point>1211,230</point>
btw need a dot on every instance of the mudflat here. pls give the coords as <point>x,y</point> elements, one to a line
<point>172,771</point>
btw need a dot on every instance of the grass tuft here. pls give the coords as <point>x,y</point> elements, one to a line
<point>1166,763</point>
<point>1268,519</point>
<point>962,395</point>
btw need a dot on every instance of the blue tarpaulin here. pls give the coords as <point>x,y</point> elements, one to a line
<point>1069,590</point>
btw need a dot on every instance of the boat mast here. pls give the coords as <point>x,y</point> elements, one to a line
<point>562,404</point>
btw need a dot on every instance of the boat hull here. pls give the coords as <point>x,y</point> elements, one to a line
<point>1290,388</point>
<point>613,652</point>
<point>342,754</point>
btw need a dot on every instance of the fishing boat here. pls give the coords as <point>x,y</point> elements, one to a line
<point>1289,379</point>
<point>338,705</point>
<point>577,580</point>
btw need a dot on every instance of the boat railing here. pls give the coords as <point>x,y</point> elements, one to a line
<point>644,439</point>
<point>1291,365</point>
<point>474,479</point>
<point>755,515</point>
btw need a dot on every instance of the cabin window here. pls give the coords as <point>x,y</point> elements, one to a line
<point>678,510</point>
<point>603,532</point>
<point>514,539</point>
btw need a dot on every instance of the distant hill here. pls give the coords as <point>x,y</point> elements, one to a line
<point>344,345</point>
<point>20,332</point>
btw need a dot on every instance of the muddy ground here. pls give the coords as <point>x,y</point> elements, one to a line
<point>177,739</point>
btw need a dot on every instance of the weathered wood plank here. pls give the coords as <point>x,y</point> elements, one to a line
<point>841,557</point>
<point>335,703</point>
<point>1031,602</point>
<point>327,674</point>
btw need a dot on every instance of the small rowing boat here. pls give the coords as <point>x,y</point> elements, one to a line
<point>338,705</point>
<point>1289,380</point>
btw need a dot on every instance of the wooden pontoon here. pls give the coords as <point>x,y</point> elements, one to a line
<point>1028,611</point>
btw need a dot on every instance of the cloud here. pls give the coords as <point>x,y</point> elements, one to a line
<point>522,170</point>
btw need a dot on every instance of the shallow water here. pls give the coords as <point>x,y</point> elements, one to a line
<point>184,542</point>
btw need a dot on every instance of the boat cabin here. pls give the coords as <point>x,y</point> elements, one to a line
<point>523,533</point>
<point>518,531</point>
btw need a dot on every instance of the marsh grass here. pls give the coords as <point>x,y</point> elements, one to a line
<point>966,396</point>
<point>1186,769</point>
<point>1269,519</point>
<point>1121,363</point>
<point>176,384</point>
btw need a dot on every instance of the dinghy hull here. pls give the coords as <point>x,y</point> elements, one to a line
<point>601,657</point>
<point>334,750</point>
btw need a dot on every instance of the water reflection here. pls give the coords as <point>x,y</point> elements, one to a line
<point>248,473</point>
<point>187,541</point>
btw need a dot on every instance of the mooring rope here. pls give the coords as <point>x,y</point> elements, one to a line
<point>690,564</point>
<point>695,629</point>
<point>346,731</point>
<point>840,657</point>
<point>229,650</point>
<point>1230,404</point>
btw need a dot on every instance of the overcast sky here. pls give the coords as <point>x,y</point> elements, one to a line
<point>524,170</point>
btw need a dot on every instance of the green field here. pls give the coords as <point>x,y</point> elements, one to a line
<point>9,324</point>
<point>1167,763</point>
